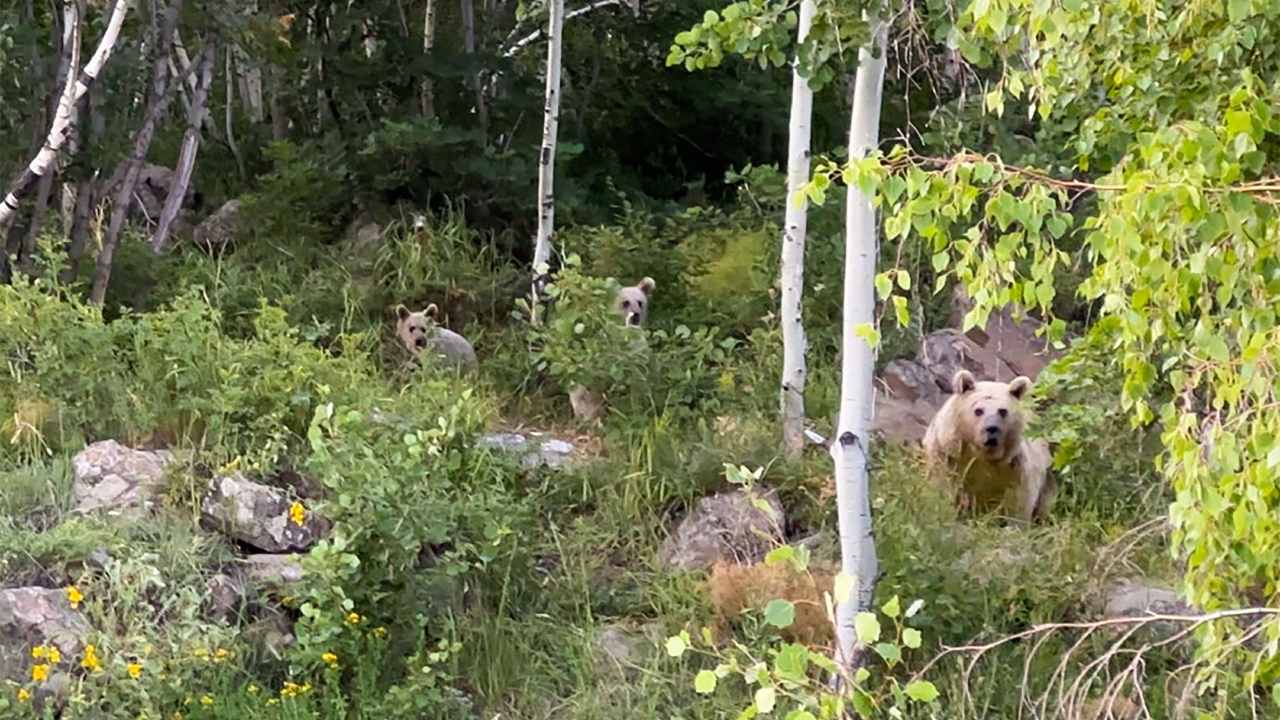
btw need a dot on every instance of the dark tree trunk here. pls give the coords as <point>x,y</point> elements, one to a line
<point>190,148</point>
<point>157,102</point>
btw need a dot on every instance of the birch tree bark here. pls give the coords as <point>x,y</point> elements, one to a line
<point>77,85</point>
<point>795,222</point>
<point>547,158</point>
<point>852,442</point>
<point>157,103</point>
<point>428,42</point>
<point>190,148</point>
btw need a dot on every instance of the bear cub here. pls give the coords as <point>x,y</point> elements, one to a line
<point>420,333</point>
<point>974,447</point>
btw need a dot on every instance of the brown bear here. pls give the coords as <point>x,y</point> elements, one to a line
<point>632,302</point>
<point>974,446</point>
<point>419,333</point>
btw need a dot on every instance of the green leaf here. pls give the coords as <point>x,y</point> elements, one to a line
<point>904,280</point>
<point>900,310</point>
<point>843,588</point>
<point>1239,10</point>
<point>867,627</point>
<point>793,661</point>
<point>780,554</point>
<point>766,698</point>
<point>705,682</point>
<point>868,334</point>
<point>884,286</point>
<point>889,652</point>
<point>780,613</point>
<point>940,261</point>
<point>800,715</point>
<point>911,638</point>
<point>921,691</point>
<point>891,608</point>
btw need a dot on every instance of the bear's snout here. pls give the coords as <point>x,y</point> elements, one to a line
<point>633,319</point>
<point>992,436</point>
<point>420,342</point>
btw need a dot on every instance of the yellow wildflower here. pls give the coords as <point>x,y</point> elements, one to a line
<point>135,670</point>
<point>206,700</point>
<point>39,651</point>
<point>297,513</point>
<point>221,654</point>
<point>39,673</point>
<point>253,689</point>
<point>23,695</point>
<point>330,659</point>
<point>74,597</point>
<point>90,661</point>
<point>379,632</point>
<point>272,701</point>
<point>53,655</point>
<point>353,618</point>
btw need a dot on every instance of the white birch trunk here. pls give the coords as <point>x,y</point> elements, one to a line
<point>428,42</point>
<point>795,224</point>
<point>77,85</point>
<point>547,158</point>
<point>229,115</point>
<point>852,441</point>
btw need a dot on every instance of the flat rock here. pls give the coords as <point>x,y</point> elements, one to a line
<point>533,449</point>
<point>33,616</point>
<point>118,480</point>
<point>727,526</point>
<point>259,515</point>
<point>272,572</point>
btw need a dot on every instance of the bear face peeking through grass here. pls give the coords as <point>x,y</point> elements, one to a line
<point>974,447</point>
<point>632,303</point>
<point>423,337</point>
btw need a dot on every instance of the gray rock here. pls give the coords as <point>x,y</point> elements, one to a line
<point>273,573</point>
<point>1139,598</point>
<point>219,229</point>
<point>588,405</point>
<point>118,480</point>
<point>534,449</point>
<point>622,650</point>
<point>944,352</point>
<point>273,635</point>
<point>37,616</point>
<point>727,526</point>
<point>258,515</point>
<point>224,597</point>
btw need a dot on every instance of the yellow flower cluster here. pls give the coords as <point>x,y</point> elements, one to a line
<point>379,632</point>
<point>23,695</point>
<point>48,653</point>
<point>330,659</point>
<point>353,618</point>
<point>74,596</point>
<point>297,513</point>
<point>292,689</point>
<point>134,670</point>
<point>90,661</point>
<point>39,673</point>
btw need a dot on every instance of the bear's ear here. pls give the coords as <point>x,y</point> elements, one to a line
<point>1019,387</point>
<point>647,285</point>
<point>962,382</point>
<point>432,311</point>
<point>402,312</point>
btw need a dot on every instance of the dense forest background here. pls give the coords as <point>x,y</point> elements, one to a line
<point>227,492</point>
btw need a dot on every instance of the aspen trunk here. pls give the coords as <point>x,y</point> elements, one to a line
<point>794,343</point>
<point>77,85</point>
<point>190,149</point>
<point>469,47</point>
<point>230,114</point>
<point>158,96</point>
<point>428,42</point>
<point>852,442</point>
<point>547,158</point>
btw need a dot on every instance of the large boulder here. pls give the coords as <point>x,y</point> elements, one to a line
<point>1139,598</point>
<point>1014,340</point>
<point>219,230</point>
<point>943,352</point>
<point>901,420</point>
<point>117,480</point>
<point>260,516</point>
<point>727,526</point>
<point>34,616</point>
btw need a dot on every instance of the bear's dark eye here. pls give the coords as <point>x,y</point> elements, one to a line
<point>626,303</point>
<point>1004,412</point>
<point>640,305</point>
<point>978,412</point>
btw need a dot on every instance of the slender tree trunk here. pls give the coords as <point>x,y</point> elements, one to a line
<point>45,187</point>
<point>158,96</point>
<point>279,115</point>
<point>428,42</point>
<point>469,47</point>
<point>230,114</point>
<point>795,224</point>
<point>77,86</point>
<point>852,442</point>
<point>547,159</point>
<point>190,148</point>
